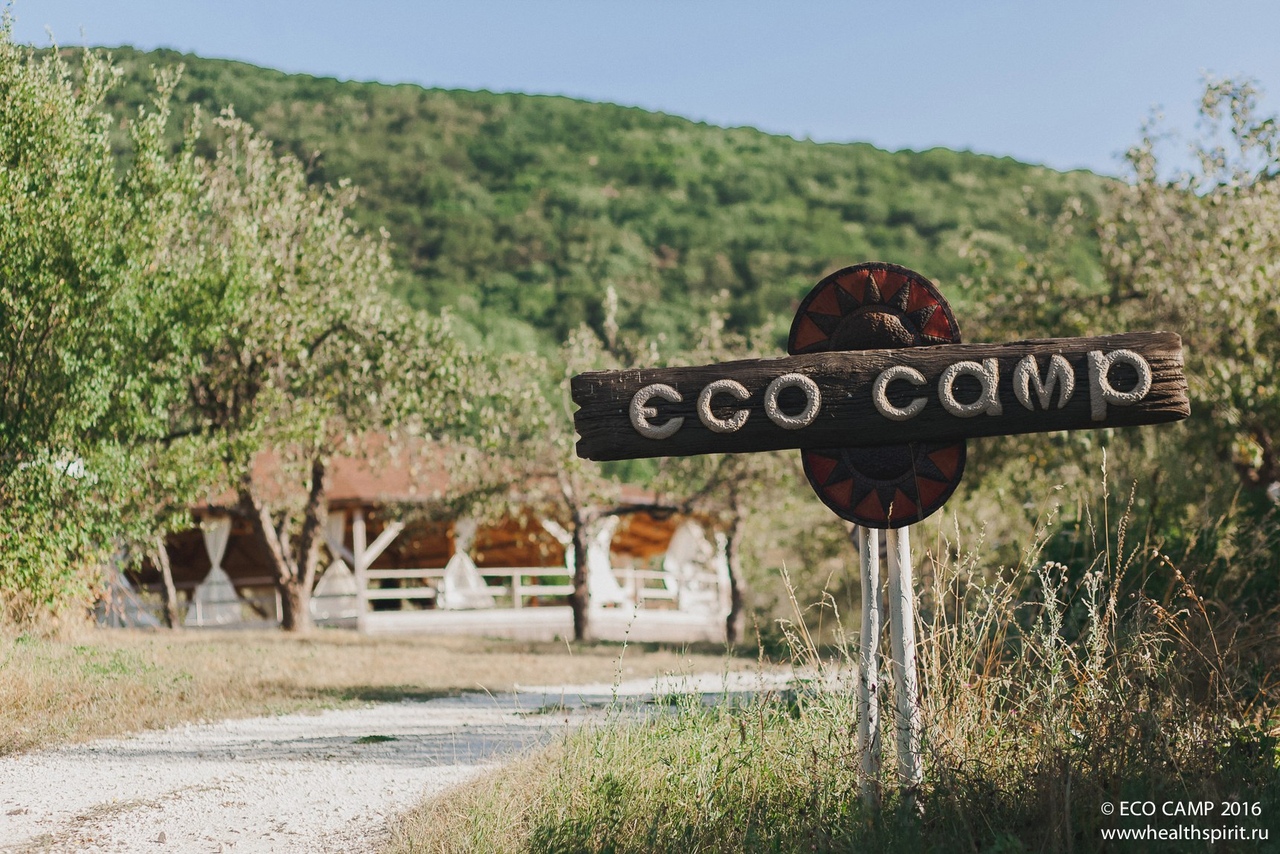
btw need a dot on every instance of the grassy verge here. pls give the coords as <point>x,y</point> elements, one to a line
<point>104,683</point>
<point>1046,695</point>
<point>778,776</point>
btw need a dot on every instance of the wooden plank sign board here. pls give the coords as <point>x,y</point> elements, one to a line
<point>867,398</point>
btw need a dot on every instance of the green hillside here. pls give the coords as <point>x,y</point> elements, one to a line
<point>519,210</point>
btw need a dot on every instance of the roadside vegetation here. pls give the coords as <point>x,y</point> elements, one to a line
<point>171,311</point>
<point>1080,646</point>
<point>1046,693</point>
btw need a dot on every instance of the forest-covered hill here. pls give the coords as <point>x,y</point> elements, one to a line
<point>518,210</point>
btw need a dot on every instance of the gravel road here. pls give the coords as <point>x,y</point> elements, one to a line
<point>292,783</point>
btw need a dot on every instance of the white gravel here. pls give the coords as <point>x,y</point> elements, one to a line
<point>293,783</point>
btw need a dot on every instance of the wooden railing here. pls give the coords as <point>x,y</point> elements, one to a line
<point>515,588</point>
<point>517,585</point>
<point>258,598</point>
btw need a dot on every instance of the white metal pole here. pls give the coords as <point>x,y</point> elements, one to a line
<point>869,666</point>
<point>902,642</point>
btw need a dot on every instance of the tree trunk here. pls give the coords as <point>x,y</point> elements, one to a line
<point>295,616</point>
<point>733,554</point>
<point>295,605</point>
<point>161,559</point>
<point>294,572</point>
<point>310,537</point>
<point>581,597</point>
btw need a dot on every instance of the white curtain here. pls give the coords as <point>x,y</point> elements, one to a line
<point>335,531</point>
<point>689,556</point>
<point>462,587</point>
<point>215,602</point>
<point>720,563</point>
<point>336,596</point>
<point>217,533</point>
<point>562,536</point>
<point>601,582</point>
<point>602,585</point>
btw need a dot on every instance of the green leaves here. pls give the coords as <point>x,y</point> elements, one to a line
<point>1203,252</point>
<point>302,344</point>
<point>85,298</point>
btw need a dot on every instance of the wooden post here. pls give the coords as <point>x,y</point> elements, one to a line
<point>868,699</point>
<point>902,644</point>
<point>365,553</point>
<point>160,557</point>
<point>359,543</point>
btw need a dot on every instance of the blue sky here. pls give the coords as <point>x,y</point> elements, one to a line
<point>1067,84</point>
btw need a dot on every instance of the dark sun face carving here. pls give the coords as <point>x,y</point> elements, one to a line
<point>871,307</point>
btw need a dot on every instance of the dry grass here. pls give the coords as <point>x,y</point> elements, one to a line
<point>493,813</point>
<point>91,684</point>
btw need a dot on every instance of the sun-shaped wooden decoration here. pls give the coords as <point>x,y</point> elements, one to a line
<point>870,307</point>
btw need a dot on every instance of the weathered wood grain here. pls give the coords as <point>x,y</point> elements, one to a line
<point>847,416</point>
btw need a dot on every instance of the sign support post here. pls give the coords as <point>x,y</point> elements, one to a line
<point>868,690</point>
<point>902,646</point>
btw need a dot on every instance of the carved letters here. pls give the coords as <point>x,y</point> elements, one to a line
<point>1058,377</point>
<point>641,411</point>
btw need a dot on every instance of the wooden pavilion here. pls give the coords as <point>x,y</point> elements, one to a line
<point>398,561</point>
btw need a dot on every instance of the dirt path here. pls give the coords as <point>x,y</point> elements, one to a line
<point>294,783</point>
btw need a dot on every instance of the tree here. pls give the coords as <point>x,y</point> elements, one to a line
<point>1196,252</point>
<point>526,441</point>
<point>736,491</point>
<point>534,440</point>
<point>89,331</point>
<point>1201,253</point>
<point>522,441</point>
<point>299,349</point>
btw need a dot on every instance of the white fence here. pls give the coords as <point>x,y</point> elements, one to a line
<point>516,585</point>
<point>513,587</point>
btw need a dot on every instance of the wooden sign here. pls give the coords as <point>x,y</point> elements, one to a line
<point>849,408</point>
<point>882,397</point>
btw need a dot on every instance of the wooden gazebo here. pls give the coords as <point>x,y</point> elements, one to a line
<point>398,561</point>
